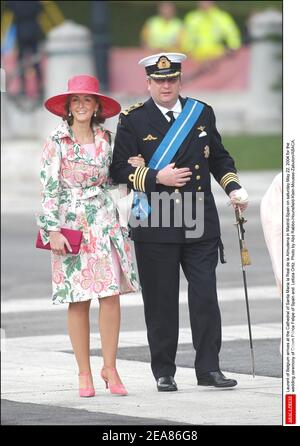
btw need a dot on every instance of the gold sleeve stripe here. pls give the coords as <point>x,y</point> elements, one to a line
<point>229,175</point>
<point>228,178</point>
<point>143,177</point>
<point>137,178</point>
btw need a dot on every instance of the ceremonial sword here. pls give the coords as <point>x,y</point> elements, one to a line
<point>245,260</point>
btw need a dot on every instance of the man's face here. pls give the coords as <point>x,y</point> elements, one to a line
<point>165,92</point>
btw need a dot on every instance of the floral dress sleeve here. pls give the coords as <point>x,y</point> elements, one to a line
<point>116,191</point>
<point>49,176</point>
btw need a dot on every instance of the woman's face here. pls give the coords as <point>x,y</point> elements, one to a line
<point>82,107</point>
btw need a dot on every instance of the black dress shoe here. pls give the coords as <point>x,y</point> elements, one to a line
<point>216,379</point>
<point>166,384</point>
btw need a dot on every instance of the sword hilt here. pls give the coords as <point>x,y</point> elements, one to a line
<point>240,220</point>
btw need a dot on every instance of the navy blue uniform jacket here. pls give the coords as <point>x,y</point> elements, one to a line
<point>140,130</point>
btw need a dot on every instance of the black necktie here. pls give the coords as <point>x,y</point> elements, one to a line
<point>171,115</point>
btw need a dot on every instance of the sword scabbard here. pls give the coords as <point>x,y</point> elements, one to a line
<point>245,260</point>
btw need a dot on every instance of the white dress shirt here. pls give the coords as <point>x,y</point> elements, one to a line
<point>177,109</point>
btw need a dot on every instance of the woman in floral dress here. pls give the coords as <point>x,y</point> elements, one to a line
<point>76,195</point>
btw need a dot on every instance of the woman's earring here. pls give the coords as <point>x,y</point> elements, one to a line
<point>69,114</point>
<point>95,113</point>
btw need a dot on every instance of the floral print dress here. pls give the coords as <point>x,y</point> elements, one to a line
<point>76,195</point>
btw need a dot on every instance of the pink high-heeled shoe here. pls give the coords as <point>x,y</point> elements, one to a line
<point>88,390</point>
<point>116,389</point>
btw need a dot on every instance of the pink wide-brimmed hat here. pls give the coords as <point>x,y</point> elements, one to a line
<point>83,84</point>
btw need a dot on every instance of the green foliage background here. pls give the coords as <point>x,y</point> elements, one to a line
<point>126,18</point>
<point>255,152</point>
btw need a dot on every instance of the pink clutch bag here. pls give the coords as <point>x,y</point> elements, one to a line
<point>74,238</point>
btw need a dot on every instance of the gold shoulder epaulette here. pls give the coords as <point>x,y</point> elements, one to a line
<point>132,107</point>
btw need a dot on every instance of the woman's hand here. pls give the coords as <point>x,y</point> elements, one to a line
<point>58,242</point>
<point>137,161</point>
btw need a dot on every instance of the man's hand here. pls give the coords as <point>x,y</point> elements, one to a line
<point>171,176</point>
<point>58,242</point>
<point>239,199</point>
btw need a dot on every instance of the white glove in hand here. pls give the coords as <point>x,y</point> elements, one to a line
<point>239,199</point>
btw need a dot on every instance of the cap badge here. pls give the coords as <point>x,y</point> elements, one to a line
<point>163,63</point>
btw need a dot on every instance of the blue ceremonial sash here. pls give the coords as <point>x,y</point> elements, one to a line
<point>167,149</point>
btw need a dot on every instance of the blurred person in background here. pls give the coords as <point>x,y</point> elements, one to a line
<point>209,32</point>
<point>31,21</point>
<point>181,146</point>
<point>162,32</point>
<point>76,194</point>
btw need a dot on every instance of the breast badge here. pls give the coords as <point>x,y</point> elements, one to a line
<point>206,152</point>
<point>202,132</point>
<point>150,138</point>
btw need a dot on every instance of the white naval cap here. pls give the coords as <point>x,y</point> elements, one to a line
<point>163,65</point>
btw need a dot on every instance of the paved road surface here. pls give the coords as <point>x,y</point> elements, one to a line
<point>39,372</point>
